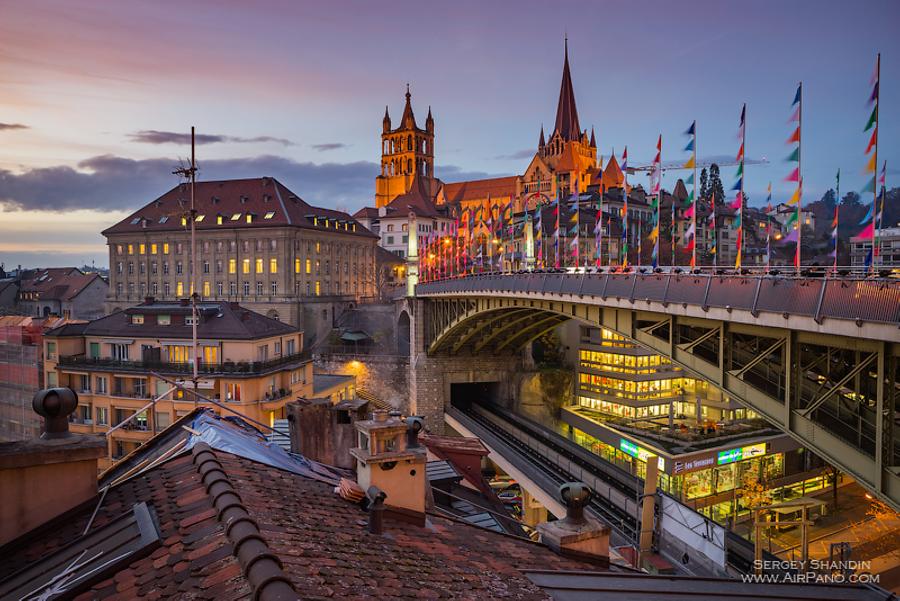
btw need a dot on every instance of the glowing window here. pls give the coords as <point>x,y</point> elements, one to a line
<point>245,266</point>
<point>154,248</point>
<point>259,266</point>
<point>179,289</point>
<point>184,221</point>
<point>205,288</point>
<point>236,216</point>
<point>199,218</point>
<point>249,217</point>
<point>165,248</point>
<point>296,265</point>
<point>131,249</point>
<point>273,265</point>
<point>218,220</point>
<point>318,288</point>
<point>232,265</point>
<point>270,214</point>
<point>309,266</point>
<point>142,249</point>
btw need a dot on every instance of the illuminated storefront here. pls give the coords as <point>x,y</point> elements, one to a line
<point>709,480</point>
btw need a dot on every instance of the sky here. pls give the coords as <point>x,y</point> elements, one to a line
<point>96,97</point>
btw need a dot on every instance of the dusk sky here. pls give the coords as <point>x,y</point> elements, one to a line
<point>90,93</point>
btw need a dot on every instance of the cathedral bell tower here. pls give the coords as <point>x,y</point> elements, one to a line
<point>406,152</point>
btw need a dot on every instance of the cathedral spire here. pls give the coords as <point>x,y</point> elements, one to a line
<point>408,119</point>
<point>566,113</point>
<point>541,142</point>
<point>593,139</point>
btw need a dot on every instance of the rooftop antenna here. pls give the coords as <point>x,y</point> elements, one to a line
<point>191,173</point>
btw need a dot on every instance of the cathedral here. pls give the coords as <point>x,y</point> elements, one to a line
<point>568,159</point>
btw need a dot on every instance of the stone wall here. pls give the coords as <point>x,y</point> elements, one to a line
<point>385,376</point>
<point>431,378</point>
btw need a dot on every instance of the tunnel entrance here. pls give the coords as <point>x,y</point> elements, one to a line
<point>463,396</point>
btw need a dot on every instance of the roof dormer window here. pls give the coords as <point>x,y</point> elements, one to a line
<point>249,217</point>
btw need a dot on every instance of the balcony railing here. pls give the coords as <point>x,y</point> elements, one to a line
<point>237,368</point>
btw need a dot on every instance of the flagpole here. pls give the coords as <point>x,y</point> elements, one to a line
<point>715,231</point>
<point>837,205</point>
<point>740,239</point>
<point>625,210</point>
<point>877,118</point>
<point>694,204</point>
<point>880,216</point>
<point>799,177</point>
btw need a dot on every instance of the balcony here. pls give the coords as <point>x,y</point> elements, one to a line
<point>227,368</point>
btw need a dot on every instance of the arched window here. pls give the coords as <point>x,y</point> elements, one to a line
<point>409,145</point>
<point>409,165</point>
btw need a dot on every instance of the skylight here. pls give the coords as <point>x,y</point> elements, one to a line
<point>199,218</point>
<point>164,218</point>
<point>135,221</point>
<point>236,216</point>
<point>270,214</point>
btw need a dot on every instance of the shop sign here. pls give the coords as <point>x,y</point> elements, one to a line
<point>693,464</point>
<point>629,448</point>
<point>741,453</point>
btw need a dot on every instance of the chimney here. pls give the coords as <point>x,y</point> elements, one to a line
<point>385,460</point>
<point>47,476</point>
<point>576,535</point>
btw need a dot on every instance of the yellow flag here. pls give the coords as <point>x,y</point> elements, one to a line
<point>796,197</point>
<point>655,233</point>
<point>690,164</point>
<point>870,168</point>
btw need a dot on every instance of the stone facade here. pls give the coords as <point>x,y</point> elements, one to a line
<point>431,377</point>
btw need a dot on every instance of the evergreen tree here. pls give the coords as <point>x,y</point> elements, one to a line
<point>715,184</point>
<point>704,184</point>
<point>829,199</point>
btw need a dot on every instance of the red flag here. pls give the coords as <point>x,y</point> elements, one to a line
<point>795,137</point>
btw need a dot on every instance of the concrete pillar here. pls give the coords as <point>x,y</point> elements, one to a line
<point>533,513</point>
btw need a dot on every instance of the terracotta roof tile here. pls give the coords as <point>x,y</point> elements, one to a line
<point>260,196</point>
<point>305,532</point>
<point>496,187</point>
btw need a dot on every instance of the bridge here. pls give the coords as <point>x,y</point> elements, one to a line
<point>818,357</point>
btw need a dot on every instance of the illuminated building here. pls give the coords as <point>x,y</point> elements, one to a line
<point>632,404</point>
<point>118,363</point>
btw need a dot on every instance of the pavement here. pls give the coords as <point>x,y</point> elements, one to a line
<point>873,537</point>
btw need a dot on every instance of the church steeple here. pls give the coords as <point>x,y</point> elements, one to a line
<point>593,139</point>
<point>566,113</point>
<point>541,142</point>
<point>408,120</point>
<point>386,122</point>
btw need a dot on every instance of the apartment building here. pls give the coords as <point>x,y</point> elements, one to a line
<point>258,244</point>
<point>252,363</point>
<point>62,291</point>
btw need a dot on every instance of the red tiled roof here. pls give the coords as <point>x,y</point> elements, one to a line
<point>320,540</point>
<point>58,283</point>
<point>218,320</point>
<point>417,200</point>
<point>366,213</point>
<point>260,196</point>
<point>496,187</point>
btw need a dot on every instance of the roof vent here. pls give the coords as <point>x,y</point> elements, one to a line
<point>55,405</point>
<point>244,199</point>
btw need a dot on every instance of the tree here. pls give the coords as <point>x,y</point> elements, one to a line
<point>704,184</point>
<point>850,199</point>
<point>829,199</point>
<point>715,183</point>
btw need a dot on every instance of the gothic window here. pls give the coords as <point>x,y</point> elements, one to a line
<point>409,165</point>
<point>409,145</point>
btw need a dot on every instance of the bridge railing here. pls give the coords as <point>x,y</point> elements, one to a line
<point>875,299</point>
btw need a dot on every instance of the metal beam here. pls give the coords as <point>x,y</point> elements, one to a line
<point>492,335</point>
<point>850,375</point>
<point>480,327</point>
